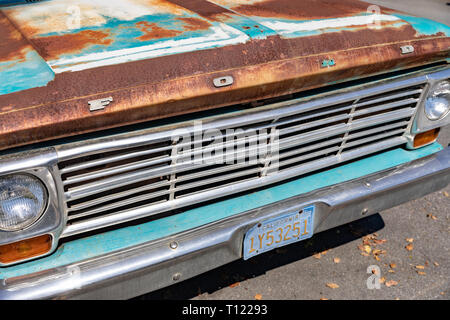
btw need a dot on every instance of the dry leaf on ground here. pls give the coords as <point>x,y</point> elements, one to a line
<point>421,273</point>
<point>410,240</point>
<point>431,216</point>
<point>391,283</point>
<point>320,254</point>
<point>420,267</point>
<point>258,296</point>
<point>332,285</point>
<point>237,284</point>
<point>393,265</point>
<point>336,260</point>
<point>409,247</point>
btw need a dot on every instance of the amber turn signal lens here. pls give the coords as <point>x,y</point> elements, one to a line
<point>425,138</point>
<point>25,249</point>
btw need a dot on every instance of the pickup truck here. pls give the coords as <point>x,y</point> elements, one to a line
<point>144,142</point>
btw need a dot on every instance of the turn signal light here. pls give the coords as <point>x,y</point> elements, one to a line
<point>25,249</point>
<point>425,138</point>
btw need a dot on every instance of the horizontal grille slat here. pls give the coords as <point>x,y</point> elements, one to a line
<point>112,159</point>
<point>390,97</point>
<point>115,196</point>
<point>315,146</point>
<point>319,123</point>
<point>377,130</point>
<point>196,175</point>
<point>373,138</point>
<point>384,107</point>
<point>308,156</point>
<point>95,188</point>
<point>225,177</point>
<point>117,204</point>
<point>117,170</point>
<point>144,177</point>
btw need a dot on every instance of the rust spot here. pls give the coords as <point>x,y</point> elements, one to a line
<point>153,31</point>
<point>29,31</point>
<point>194,24</point>
<point>13,47</point>
<point>202,7</point>
<point>52,47</point>
<point>313,9</point>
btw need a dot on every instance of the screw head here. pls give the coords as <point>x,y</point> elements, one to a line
<point>176,276</point>
<point>173,245</point>
<point>364,211</point>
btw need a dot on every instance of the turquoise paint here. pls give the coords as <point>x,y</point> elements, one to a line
<point>31,72</point>
<point>425,26</point>
<point>92,246</point>
<point>128,35</point>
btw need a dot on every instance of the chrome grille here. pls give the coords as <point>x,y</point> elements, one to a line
<point>117,179</point>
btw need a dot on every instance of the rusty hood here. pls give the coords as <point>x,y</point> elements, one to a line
<point>158,58</point>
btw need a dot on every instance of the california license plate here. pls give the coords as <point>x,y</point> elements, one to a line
<point>278,232</point>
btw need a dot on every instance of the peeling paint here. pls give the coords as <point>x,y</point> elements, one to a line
<point>218,36</point>
<point>289,27</point>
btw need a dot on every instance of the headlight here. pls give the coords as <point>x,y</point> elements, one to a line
<point>22,201</point>
<point>437,103</point>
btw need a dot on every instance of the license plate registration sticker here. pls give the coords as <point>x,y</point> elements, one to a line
<point>279,231</point>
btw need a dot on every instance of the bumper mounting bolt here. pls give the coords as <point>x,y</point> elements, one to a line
<point>364,211</point>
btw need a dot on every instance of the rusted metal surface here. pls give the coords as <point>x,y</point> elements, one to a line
<point>159,58</point>
<point>20,66</point>
<point>295,10</point>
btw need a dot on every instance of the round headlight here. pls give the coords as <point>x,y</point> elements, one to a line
<point>437,104</point>
<point>22,201</point>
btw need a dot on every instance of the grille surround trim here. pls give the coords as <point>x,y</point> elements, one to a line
<point>269,112</point>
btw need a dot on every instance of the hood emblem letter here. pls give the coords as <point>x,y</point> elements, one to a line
<point>328,63</point>
<point>407,49</point>
<point>99,104</point>
<point>223,81</point>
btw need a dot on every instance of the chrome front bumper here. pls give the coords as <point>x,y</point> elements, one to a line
<point>157,264</point>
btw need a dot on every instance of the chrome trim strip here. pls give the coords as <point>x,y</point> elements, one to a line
<point>134,271</point>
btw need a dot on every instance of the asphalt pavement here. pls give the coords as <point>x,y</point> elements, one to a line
<point>407,247</point>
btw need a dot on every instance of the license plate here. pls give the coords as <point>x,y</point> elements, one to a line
<point>278,232</point>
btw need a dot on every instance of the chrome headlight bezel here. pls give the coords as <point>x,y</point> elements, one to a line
<point>422,122</point>
<point>431,102</point>
<point>40,164</point>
